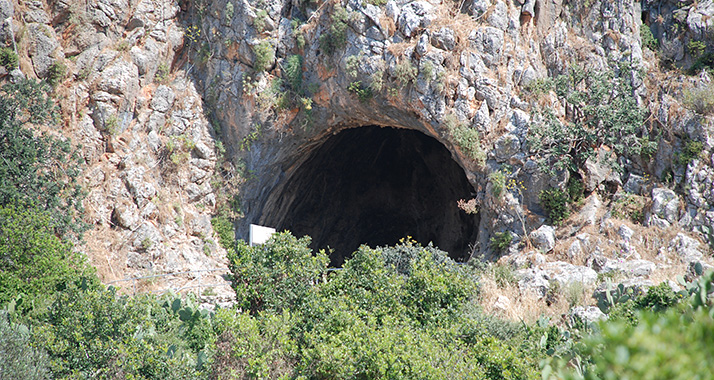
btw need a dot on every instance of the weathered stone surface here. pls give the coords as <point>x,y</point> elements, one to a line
<point>665,207</point>
<point>566,273</point>
<point>589,314</point>
<point>543,238</point>
<point>685,247</point>
<point>163,99</point>
<point>45,48</point>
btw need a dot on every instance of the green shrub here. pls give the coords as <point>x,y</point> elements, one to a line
<point>264,55</point>
<point>703,62</point>
<point>500,241</point>
<point>668,345</point>
<point>363,93</point>
<point>696,48</point>
<point>293,72</point>
<point>35,261</point>
<point>19,359</point>
<point>504,275</point>
<point>691,150</point>
<point>56,73</point>
<point>701,100</point>
<point>647,37</point>
<point>555,203</point>
<point>605,113</point>
<point>466,138</point>
<point>93,333</point>
<point>277,275</point>
<point>253,347</point>
<point>9,58</point>
<point>223,227</point>
<point>260,20</point>
<point>405,72</point>
<point>658,298</point>
<point>498,183</point>
<point>336,36</point>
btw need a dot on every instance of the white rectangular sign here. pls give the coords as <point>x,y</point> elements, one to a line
<point>260,234</point>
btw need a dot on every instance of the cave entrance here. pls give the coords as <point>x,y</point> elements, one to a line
<point>374,186</point>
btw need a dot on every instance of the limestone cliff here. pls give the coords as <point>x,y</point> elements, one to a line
<point>191,107</point>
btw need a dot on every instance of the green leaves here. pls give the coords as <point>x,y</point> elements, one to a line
<point>604,112</point>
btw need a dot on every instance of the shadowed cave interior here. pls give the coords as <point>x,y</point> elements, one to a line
<point>374,186</point>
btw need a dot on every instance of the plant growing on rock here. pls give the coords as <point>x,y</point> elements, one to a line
<point>605,112</point>
<point>9,59</point>
<point>555,203</point>
<point>264,55</point>
<point>336,36</point>
<point>465,137</point>
<point>405,72</point>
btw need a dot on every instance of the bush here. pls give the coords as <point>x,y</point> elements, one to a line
<point>277,275</point>
<point>500,241</point>
<point>498,183</point>
<point>336,36</point>
<point>691,150</point>
<point>56,73</point>
<point>605,113</point>
<point>264,55</point>
<point>647,37</point>
<point>293,72</point>
<point>95,334</point>
<point>700,100</point>
<point>466,138</point>
<point>9,58</point>
<point>38,171</point>
<point>658,298</point>
<point>665,345</point>
<point>405,72</point>
<point>18,359</point>
<point>555,203</point>
<point>35,262</point>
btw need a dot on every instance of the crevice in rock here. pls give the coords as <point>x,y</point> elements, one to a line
<point>374,186</point>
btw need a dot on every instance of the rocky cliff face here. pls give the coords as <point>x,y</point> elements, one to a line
<point>186,108</point>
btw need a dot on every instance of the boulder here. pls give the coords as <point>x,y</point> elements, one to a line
<point>543,238</point>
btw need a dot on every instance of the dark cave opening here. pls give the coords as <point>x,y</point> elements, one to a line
<point>374,186</point>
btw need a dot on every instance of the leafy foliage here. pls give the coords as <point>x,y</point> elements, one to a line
<point>263,56</point>
<point>555,203</point>
<point>275,276</point>
<point>336,36</point>
<point>605,112</point>
<point>648,39</point>
<point>34,262</point>
<point>500,241</point>
<point>19,360</point>
<point>36,170</point>
<point>8,58</point>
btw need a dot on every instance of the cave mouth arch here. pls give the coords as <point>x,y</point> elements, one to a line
<point>375,185</point>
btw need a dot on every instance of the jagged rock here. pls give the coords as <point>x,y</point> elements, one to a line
<point>566,273</point>
<point>141,191</point>
<point>163,99</point>
<point>506,146</point>
<point>533,280</point>
<point>589,314</point>
<point>125,216</point>
<point>543,238</point>
<point>575,249</point>
<point>44,49</point>
<point>413,17</point>
<point>665,207</point>
<point>488,41</point>
<point>121,78</point>
<point>444,39</point>
<point>634,184</point>
<point>502,304</point>
<point>597,170</point>
<point>625,232</point>
<point>597,262</point>
<point>499,17</point>
<point>686,248</point>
